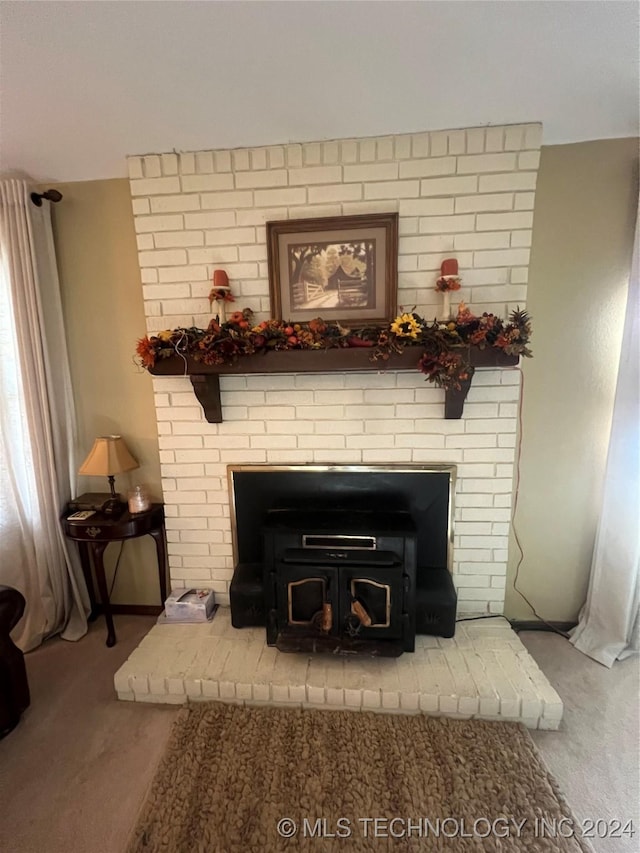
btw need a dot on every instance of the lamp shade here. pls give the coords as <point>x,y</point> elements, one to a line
<point>109,455</point>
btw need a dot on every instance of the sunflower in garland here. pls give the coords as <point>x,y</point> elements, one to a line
<point>406,326</point>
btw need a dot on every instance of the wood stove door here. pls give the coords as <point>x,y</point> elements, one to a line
<point>371,602</point>
<point>307,600</point>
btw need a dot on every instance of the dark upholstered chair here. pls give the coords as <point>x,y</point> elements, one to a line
<point>14,688</point>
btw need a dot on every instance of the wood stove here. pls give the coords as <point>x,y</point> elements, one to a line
<point>343,559</point>
<point>340,581</point>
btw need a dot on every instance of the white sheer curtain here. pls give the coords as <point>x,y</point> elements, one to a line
<point>37,426</point>
<point>609,621</point>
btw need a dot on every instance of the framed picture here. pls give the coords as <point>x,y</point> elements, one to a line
<point>340,268</point>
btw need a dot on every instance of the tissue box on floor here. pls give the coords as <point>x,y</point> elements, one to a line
<point>189,605</point>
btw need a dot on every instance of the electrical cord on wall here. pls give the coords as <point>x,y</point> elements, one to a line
<point>115,571</point>
<point>176,347</point>
<point>513,518</point>
<point>485,616</point>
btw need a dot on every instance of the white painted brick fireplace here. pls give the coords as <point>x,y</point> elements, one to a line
<point>467,194</point>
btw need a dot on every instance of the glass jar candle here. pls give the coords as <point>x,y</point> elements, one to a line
<point>139,500</point>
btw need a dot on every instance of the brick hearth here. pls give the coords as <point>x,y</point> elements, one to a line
<point>485,672</point>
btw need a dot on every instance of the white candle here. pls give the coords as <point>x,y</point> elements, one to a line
<point>446,308</point>
<point>222,304</point>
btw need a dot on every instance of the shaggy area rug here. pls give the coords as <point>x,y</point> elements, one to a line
<point>237,779</point>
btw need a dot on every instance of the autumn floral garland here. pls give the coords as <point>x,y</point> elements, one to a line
<point>444,361</point>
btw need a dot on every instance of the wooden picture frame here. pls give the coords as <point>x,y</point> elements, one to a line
<point>341,268</point>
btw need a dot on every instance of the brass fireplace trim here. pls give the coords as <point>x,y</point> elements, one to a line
<point>399,468</point>
<point>291,584</point>
<point>387,589</point>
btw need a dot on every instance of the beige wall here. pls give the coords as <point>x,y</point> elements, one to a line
<point>102,300</point>
<point>582,243</point>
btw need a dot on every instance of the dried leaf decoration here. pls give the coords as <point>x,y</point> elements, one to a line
<point>442,349</point>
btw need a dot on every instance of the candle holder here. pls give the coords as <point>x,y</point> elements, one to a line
<point>447,282</point>
<point>221,293</point>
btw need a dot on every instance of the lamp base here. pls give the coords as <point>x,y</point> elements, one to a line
<point>114,506</point>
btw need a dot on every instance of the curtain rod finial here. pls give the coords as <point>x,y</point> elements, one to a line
<point>50,195</point>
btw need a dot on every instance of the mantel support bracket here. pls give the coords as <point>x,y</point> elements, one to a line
<point>454,399</point>
<point>207,390</point>
<point>206,387</point>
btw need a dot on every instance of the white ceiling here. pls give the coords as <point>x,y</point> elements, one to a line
<point>84,84</point>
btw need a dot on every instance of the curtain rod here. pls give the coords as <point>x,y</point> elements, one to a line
<point>50,195</point>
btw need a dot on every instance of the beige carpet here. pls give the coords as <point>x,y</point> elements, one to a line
<point>275,779</point>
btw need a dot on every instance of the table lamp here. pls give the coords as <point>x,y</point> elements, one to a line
<point>108,456</point>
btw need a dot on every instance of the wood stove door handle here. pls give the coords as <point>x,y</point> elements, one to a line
<point>327,617</point>
<point>358,610</point>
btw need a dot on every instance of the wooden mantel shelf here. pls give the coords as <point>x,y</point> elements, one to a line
<point>206,382</point>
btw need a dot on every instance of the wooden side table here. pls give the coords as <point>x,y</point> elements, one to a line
<point>95,533</point>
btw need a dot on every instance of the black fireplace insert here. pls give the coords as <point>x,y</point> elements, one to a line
<point>347,560</point>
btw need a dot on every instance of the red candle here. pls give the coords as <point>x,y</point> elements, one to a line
<point>449,267</point>
<point>221,279</point>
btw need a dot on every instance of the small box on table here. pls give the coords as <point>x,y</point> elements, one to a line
<point>189,605</point>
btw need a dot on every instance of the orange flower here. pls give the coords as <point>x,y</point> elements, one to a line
<point>146,351</point>
<point>447,283</point>
<point>236,317</point>
<point>318,326</point>
<point>221,295</point>
<point>464,315</point>
<point>478,336</point>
